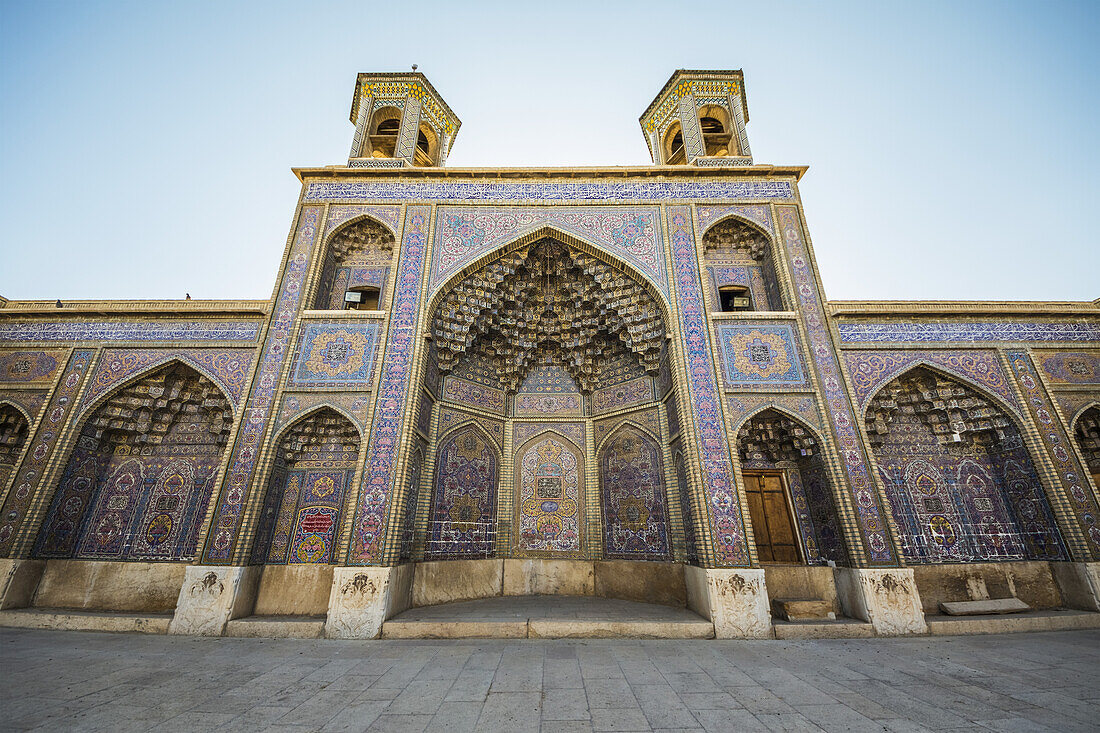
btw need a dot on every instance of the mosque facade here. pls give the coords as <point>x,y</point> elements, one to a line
<point>622,382</point>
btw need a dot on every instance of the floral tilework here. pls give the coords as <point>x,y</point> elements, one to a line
<point>754,355</point>
<point>870,370</point>
<point>227,368</point>
<point>369,524</point>
<point>131,331</point>
<point>296,404</point>
<point>30,367</point>
<point>547,404</point>
<point>473,394</point>
<point>570,190</point>
<point>42,446</point>
<point>463,234</point>
<point>337,215</point>
<point>30,400</point>
<point>335,355</point>
<point>869,511</point>
<point>522,431</point>
<point>730,545</point>
<point>1071,367</point>
<point>450,417</point>
<point>1058,447</point>
<point>742,406</point>
<point>618,396</point>
<point>759,215</point>
<point>225,525</point>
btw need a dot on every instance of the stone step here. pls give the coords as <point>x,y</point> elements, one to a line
<point>1031,621</point>
<point>984,607</point>
<point>288,627</point>
<point>842,628</point>
<point>803,609</point>
<point>62,619</point>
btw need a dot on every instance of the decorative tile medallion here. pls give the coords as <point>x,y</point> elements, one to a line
<point>30,367</point>
<point>1071,367</point>
<point>335,355</point>
<point>755,355</point>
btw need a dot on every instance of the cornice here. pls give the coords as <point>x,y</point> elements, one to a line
<point>639,171</point>
<point>962,308</point>
<point>40,308</point>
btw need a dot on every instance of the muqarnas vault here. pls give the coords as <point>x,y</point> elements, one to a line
<point>617,382</point>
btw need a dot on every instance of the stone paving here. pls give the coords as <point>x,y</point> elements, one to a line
<point>56,680</point>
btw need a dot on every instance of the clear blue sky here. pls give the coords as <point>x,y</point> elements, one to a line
<point>145,147</point>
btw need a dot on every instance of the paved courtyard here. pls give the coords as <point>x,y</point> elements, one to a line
<point>114,682</point>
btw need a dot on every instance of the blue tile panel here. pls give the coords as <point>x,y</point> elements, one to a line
<point>856,333</point>
<point>131,331</point>
<point>547,191</point>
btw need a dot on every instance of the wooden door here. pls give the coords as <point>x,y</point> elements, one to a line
<point>770,511</point>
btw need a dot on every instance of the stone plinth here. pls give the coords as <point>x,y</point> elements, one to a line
<point>362,598</point>
<point>18,581</point>
<point>887,598</point>
<point>1080,584</point>
<point>211,596</point>
<point>735,600</point>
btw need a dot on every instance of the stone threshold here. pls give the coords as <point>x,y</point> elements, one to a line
<point>276,627</point>
<point>63,619</point>
<point>1054,620</point>
<point>841,628</point>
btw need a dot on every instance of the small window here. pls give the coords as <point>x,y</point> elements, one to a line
<point>362,299</point>
<point>734,299</point>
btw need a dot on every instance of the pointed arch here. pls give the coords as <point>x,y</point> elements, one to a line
<point>626,421</point>
<point>337,263</point>
<point>740,219</point>
<point>18,408</point>
<point>633,495</point>
<point>741,421</point>
<point>286,425</point>
<point>138,480</point>
<point>561,233</point>
<point>1080,413</point>
<point>352,221</point>
<point>95,399</point>
<point>462,514</point>
<point>925,423</point>
<point>549,496</point>
<point>307,488</point>
<point>945,371</point>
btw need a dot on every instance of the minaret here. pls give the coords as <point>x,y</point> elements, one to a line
<point>699,118</point>
<point>400,121</point>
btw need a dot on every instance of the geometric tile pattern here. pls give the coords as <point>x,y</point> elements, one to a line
<point>755,355</point>
<point>872,369</point>
<point>871,517</point>
<point>335,355</point>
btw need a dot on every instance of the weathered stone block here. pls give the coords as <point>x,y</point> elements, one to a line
<point>645,582</point>
<point>211,596</point>
<point>887,598</point>
<point>984,608</point>
<point>1079,583</point>
<point>99,585</point>
<point>735,600</point>
<point>294,590</point>
<point>535,576</point>
<point>802,609</point>
<point>18,581</point>
<point>364,597</point>
<point>447,581</point>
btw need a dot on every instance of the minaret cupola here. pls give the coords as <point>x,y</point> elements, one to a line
<point>699,118</point>
<point>400,121</point>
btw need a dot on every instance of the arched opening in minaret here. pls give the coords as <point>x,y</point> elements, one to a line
<point>1087,434</point>
<point>740,264</point>
<point>673,145</point>
<point>427,147</point>
<point>790,497</point>
<point>138,482</point>
<point>961,483</point>
<point>717,138</point>
<point>354,267</point>
<point>550,368</point>
<point>13,436</point>
<point>384,128</point>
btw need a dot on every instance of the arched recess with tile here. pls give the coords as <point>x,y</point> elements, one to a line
<point>789,490</point>
<point>462,518</point>
<point>355,266</point>
<point>633,496</point>
<point>137,483</point>
<point>14,426</point>
<point>960,480</point>
<point>1086,431</point>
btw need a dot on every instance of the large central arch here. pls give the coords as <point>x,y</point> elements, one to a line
<point>541,353</point>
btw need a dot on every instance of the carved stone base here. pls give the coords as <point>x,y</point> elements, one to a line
<point>18,581</point>
<point>362,598</point>
<point>1079,583</point>
<point>887,598</point>
<point>735,601</point>
<point>211,596</point>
